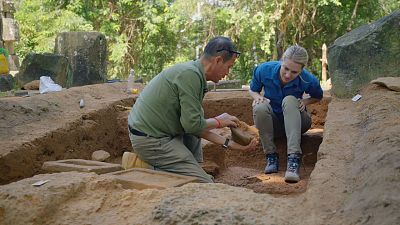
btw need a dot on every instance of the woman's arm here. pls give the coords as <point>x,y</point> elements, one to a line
<point>258,98</point>
<point>307,101</point>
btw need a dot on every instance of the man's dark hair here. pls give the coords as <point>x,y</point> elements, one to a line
<point>220,46</point>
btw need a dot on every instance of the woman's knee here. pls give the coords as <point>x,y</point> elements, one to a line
<point>290,100</point>
<point>262,108</point>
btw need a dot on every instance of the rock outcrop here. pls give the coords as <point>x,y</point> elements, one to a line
<point>87,54</point>
<point>36,65</point>
<point>364,54</point>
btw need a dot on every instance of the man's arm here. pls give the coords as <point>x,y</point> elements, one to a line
<point>223,120</point>
<point>220,140</point>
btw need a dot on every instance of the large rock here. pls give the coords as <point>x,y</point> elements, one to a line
<point>364,54</point>
<point>36,65</point>
<point>87,54</point>
<point>6,82</point>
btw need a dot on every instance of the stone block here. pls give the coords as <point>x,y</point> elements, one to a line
<point>14,63</point>
<point>364,54</point>
<point>139,178</point>
<point>6,82</point>
<point>36,65</point>
<point>87,55</point>
<point>10,31</point>
<point>7,6</point>
<point>80,165</point>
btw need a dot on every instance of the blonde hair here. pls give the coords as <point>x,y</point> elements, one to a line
<point>296,53</point>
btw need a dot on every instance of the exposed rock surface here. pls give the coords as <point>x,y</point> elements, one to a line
<point>365,53</point>
<point>6,82</point>
<point>87,54</point>
<point>36,65</point>
<point>393,83</point>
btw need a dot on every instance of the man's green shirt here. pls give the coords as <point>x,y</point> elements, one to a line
<point>171,104</point>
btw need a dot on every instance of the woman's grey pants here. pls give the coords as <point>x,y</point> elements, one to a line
<point>293,125</point>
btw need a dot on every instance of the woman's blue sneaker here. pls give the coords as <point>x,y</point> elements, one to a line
<point>272,163</point>
<point>293,165</point>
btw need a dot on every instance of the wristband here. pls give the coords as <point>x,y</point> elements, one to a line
<point>218,122</point>
<point>226,143</point>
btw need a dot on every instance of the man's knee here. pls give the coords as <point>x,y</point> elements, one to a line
<point>206,179</point>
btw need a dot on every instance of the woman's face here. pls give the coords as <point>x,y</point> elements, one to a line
<point>289,71</point>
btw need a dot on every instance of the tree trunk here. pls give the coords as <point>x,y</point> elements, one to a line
<point>279,40</point>
<point>353,16</point>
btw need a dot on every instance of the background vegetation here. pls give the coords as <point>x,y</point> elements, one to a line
<point>148,35</point>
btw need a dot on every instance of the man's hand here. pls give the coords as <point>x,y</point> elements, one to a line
<point>227,120</point>
<point>251,146</point>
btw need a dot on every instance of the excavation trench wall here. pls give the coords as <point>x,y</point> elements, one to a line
<point>102,126</point>
<point>53,126</point>
<point>104,129</point>
<point>355,181</point>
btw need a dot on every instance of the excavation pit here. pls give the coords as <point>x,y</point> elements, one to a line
<point>246,169</point>
<point>101,125</point>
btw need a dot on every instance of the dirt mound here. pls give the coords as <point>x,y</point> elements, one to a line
<point>53,126</point>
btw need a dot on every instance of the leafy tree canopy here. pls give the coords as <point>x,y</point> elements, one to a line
<point>150,35</point>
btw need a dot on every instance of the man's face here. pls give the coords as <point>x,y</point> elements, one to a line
<point>221,68</point>
<point>289,71</point>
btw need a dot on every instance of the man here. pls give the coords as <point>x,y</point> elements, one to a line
<point>282,109</point>
<point>167,120</point>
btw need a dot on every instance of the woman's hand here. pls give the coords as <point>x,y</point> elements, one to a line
<point>302,105</point>
<point>259,99</point>
<point>305,102</point>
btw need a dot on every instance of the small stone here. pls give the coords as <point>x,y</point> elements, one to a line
<point>33,85</point>
<point>100,155</point>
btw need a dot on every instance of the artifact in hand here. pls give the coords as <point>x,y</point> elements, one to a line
<point>243,133</point>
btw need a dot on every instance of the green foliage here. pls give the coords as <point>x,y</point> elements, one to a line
<point>40,23</point>
<point>151,35</point>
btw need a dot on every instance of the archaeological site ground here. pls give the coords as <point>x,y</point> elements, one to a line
<point>350,172</point>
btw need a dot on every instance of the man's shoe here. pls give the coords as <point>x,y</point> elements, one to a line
<point>272,163</point>
<point>293,165</point>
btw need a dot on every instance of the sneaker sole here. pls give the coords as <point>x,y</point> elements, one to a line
<point>269,172</point>
<point>291,177</point>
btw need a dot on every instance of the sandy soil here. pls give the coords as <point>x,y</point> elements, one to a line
<point>355,180</point>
